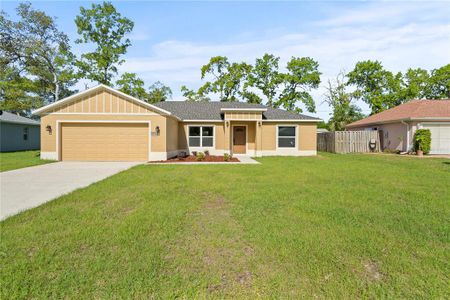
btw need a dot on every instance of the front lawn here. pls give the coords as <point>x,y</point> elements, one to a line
<point>20,159</point>
<point>332,226</point>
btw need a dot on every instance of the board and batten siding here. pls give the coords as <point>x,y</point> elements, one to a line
<point>102,107</point>
<point>103,102</point>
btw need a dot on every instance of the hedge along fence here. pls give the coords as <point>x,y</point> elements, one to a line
<point>348,141</point>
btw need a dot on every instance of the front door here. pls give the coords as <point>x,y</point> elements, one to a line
<point>239,140</point>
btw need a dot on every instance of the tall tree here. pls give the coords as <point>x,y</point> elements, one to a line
<point>264,77</point>
<point>158,92</point>
<point>227,78</point>
<point>106,28</point>
<point>344,111</point>
<point>132,85</point>
<point>439,83</point>
<point>35,47</point>
<point>415,84</point>
<point>193,96</point>
<point>374,85</point>
<point>302,76</point>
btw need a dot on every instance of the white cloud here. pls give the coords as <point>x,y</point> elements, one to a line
<point>399,36</point>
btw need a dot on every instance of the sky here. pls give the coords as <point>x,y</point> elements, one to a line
<point>171,41</point>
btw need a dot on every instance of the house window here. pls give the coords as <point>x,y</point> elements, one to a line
<point>286,136</point>
<point>25,133</point>
<point>201,136</point>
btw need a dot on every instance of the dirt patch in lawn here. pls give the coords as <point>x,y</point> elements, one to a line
<point>372,271</point>
<point>191,158</point>
<point>212,252</point>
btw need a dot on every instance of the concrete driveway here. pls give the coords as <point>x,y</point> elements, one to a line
<point>26,188</point>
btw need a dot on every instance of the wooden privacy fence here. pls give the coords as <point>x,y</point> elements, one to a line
<point>348,141</point>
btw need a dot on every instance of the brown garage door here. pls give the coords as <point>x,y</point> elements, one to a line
<point>104,141</point>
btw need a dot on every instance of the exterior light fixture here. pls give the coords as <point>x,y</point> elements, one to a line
<point>227,123</point>
<point>259,123</point>
<point>157,130</point>
<point>49,129</point>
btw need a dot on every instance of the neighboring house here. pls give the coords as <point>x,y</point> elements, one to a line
<point>103,124</point>
<point>18,133</point>
<point>398,125</point>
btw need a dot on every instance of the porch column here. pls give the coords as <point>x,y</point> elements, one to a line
<point>227,136</point>
<point>258,138</point>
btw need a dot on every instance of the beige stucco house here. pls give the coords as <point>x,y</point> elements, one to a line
<point>398,125</point>
<point>103,124</point>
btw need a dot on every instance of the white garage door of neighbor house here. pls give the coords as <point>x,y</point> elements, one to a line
<point>440,138</point>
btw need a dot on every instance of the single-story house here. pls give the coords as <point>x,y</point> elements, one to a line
<point>103,124</point>
<point>18,133</point>
<point>398,125</point>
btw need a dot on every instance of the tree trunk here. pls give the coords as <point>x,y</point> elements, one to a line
<point>56,83</point>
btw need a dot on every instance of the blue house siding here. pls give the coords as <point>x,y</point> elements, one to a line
<point>12,137</point>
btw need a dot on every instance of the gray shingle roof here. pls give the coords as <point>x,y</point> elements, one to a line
<point>212,110</point>
<point>7,117</point>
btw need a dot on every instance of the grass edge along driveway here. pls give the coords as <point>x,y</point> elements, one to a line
<point>21,159</point>
<point>335,226</point>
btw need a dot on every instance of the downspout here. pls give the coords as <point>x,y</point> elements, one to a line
<point>407,135</point>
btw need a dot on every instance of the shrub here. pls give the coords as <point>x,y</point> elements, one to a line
<point>207,152</point>
<point>422,140</point>
<point>194,153</point>
<point>226,157</point>
<point>200,156</point>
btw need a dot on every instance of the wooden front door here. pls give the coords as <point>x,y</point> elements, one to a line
<point>239,139</point>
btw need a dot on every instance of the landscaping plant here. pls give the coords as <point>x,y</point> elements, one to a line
<point>227,157</point>
<point>200,156</point>
<point>422,141</point>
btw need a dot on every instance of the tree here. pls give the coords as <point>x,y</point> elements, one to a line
<point>374,85</point>
<point>35,48</point>
<point>344,111</point>
<point>158,92</point>
<point>416,84</point>
<point>106,28</point>
<point>227,78</point>
<point>264,77</point>
<point>132,85</point>
<point>193,96</point>
<point>302,76</point>
<point>439,83</point>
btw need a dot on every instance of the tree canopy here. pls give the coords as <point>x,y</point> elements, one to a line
<point>104,26</point>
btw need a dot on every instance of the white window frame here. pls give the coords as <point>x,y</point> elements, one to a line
<point>295,136</point>
<point>198,148</point>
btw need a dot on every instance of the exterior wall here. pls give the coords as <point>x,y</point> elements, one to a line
<point>11,137</point>
<point>219,138</point>
<point>395,135</point>
<point>172,134</point>
<point>49,139</point>
<point>306,135</point>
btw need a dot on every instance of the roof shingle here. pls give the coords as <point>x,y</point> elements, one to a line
<point>211,111</point>
<point>8,117</point>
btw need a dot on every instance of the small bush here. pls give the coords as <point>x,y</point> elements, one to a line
<point>194,153</point>
<point>207,152</point>
<point>226,157</point>
<point>200,156</point>
<point>422,140</point>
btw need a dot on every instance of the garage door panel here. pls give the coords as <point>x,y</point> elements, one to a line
<point>104,141</point>
<point>440,138</point>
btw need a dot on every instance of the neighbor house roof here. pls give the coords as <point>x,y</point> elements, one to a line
<point>213,111</point>
<point>6,117</point>
<point>409,111</point>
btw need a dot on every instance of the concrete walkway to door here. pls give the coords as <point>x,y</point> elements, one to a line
<point>26,188</point>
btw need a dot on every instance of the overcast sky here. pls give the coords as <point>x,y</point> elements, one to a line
<point>172,40</point>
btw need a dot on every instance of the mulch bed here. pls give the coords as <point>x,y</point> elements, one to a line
<point>191,158</point>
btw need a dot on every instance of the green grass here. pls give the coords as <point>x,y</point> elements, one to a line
<point>20,159</point>
<point>332,226</point>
